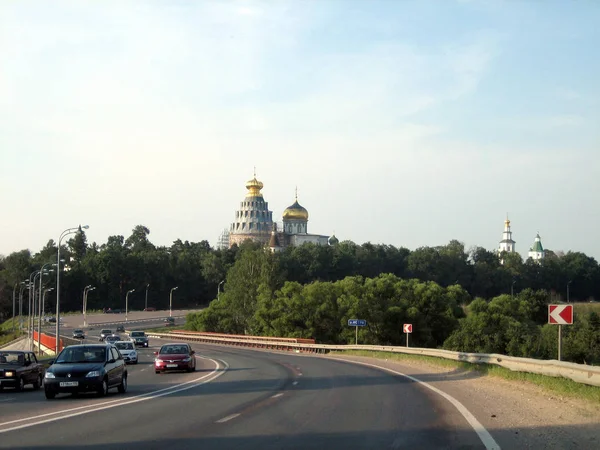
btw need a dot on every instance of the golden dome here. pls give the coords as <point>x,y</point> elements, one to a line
<point>254,186</point>
<point>295,212</point>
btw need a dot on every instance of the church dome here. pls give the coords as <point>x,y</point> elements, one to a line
<point>333,240</point>
<point>254,186</point>
<point>295,212</point>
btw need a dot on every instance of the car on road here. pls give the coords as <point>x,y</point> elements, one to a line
<point>120,329</point>
<point>112,338</point>
<point>78,334</point>
<point>139,338</point>
<point>169,321</point>
<point>104,333</point>
<point>86,368</point>
<point>20,368</point>
<point>177,356</point>
<point>127,349</point>
<point>150,308</point>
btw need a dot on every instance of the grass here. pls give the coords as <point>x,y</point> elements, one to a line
<point>585,308</point>
<point>557,385</point>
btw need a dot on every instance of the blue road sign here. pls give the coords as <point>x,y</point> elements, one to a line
<point>357,323</point>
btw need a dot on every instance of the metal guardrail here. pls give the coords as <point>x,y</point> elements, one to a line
<point>579,373</point>
<point>155,319</point>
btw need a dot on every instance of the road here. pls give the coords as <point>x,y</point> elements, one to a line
<point>246,399</point>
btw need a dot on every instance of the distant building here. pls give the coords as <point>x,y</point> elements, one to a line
<point>254,221</point>
<point>507,244</point>
<point>537,252</point>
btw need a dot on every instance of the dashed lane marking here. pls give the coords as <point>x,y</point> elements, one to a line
<point>277,395</point>
<point>227,418</point>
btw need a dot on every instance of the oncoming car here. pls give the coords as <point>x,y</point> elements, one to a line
<point>86,368</point>
<point>112,338</point>
<point>127,349</point>
<point>178,356</point>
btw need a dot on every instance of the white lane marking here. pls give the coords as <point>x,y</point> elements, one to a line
<point>227,418</point>
<point>120,402</point>
<point>484,435</point>
<point>277,395</point>
<point>295,383</point>
<point>300,374</point>
<point>7,399</point>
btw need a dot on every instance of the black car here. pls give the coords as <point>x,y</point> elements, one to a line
<point>20,368</point>
<point>120,329</point>
<point>139,338</point>
<point>78,334</point>
<point>112,338</point>
<point>169,321</point>
<point>104,333</point>
<point>86,368</point>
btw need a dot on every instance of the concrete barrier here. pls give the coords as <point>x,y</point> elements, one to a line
<point>580,373</point>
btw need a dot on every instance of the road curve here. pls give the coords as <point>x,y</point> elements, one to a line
<point>251,400</point>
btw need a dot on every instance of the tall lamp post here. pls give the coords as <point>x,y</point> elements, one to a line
<point>86,291</point>
<point>31,293</point>
<point>62,236</point>
<point>44,298</point>
<point>23,286</point>
<point>146,303</point>
<point>568,291</point>
<point>14,306</point>
<point>219,289</point>
<point>127,302</point>
<point>43,272</point>
<point>171,301</point>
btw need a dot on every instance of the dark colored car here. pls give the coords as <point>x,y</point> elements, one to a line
<point>112,338</point>
<point>150,308</point>
<point>86,368</point>
<point>139,338</point>
<point>78,334</point>
<point>18,369</point>
<point>104,334</point>
<point>179,356</point>
<point>120,329</point>
<point>169,321</point>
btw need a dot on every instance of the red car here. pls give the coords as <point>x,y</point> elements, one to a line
<point>178,356</point>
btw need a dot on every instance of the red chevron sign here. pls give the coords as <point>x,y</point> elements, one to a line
<point>407,327</point>
<point>560,314</point>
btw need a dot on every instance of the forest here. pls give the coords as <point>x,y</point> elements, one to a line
<point>456,298</point>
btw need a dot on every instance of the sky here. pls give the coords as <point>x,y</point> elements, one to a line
<point>408,123</point>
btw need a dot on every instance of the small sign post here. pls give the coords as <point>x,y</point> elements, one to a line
<point>357,323</point>
<point>407,329</point>
<point>560,315</point>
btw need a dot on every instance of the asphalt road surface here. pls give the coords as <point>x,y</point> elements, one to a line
<point>242,399</point>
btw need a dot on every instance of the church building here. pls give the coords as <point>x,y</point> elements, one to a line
<point>254,221</point>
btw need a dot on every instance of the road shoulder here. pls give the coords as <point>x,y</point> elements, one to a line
<point>518,415</point>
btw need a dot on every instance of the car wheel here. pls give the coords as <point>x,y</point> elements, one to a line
<point>123,386</point>
<point>21,385</point>
<point>38,383</point>
<point>157,372</point>
<point>50,395</point>
<point>103,390</point>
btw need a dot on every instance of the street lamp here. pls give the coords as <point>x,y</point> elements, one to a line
<point>43,308</point>
<point>14,306</point>
<point>171,301</point>
<point>24,285</point>
<point>43,272</point>
<point>127,302</point>
<point>219,289</point>
<point>568,291</point>
<point>146,304</point>
<point>58,260</point>
<point>86,291</point>
<point>31,293</point>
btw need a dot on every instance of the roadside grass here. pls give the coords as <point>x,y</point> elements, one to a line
<point>585,308</point>
<point>557,385</point>
<point>6,337</point>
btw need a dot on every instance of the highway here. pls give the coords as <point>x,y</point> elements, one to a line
<point>239,398</point>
